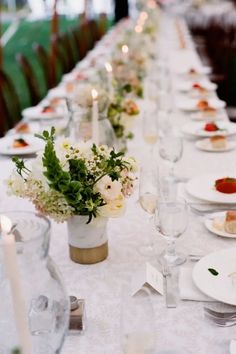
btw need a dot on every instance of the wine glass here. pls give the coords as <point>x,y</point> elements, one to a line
<point>148,200</point>
<point>171,221</point>
<point>171,150</point>
<point>137,324</point>
<point>150,127</point>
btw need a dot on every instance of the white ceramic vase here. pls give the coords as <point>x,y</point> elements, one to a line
<point>87,242</point>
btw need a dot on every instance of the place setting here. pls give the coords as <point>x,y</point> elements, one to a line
<point>122,173</point>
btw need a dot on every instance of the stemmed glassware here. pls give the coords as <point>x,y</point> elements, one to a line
<point>171,221</point>
<point>150,127</point>
<point>137,324</point>
<point>171,150</point>
<point>148,192</point>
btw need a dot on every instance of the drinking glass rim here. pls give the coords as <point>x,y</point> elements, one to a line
<point>47,221</point>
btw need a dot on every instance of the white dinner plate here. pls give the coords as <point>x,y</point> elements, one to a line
<point>205,145</point>
<point>215,224</point>
<point>200,117</point>
<point>197,129</point>
<point>203,187</point>
<point>184,86</point>
<point>200,70</point>
<point>6,148</point>
<point>37,113</point>
<point>221,287</point>
<point>190,104</point>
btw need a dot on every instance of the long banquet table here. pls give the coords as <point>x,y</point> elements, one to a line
<point>101,285</point>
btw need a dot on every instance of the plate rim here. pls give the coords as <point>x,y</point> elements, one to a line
<point>210,228</point>
<point>195,270</point>
<point>45,116</point>
<point>22,152</point>
<point>229,148</point>
<point>215,176</point>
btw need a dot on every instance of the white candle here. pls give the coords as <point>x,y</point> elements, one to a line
<point>95,127</point>
<point>125,51</point>
<point>13,274</point>
<point>110,78</point>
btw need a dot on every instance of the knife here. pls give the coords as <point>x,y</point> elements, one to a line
<point>168,288</point>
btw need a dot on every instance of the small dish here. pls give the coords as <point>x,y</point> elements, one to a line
<point>215,224</point>
<point>205,145</point>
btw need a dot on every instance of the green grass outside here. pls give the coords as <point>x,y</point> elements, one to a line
<point>27,34</point>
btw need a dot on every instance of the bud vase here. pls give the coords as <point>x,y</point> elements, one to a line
<point>88,243</point>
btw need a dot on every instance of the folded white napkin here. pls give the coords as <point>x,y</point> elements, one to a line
<point>187,288</point>
<point>232,347</point>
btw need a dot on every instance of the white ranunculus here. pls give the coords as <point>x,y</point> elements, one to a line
<point>16,184</point>
<point>37,170</point>
<point>108,189</point>
<point>113,209</point>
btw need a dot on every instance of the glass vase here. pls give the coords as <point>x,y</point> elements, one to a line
<point>44,296</point>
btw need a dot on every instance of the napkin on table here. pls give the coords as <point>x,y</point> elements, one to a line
<point>187,288</point>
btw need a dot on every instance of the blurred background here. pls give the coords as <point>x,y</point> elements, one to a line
<point>30,25</point>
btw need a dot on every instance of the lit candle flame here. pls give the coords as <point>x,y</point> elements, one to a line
<point>143,16</point>
<point>138,28</point>
<point>5,224</point>
<point>125,49</point>
<point>108,67</point>
<point>94,94</point>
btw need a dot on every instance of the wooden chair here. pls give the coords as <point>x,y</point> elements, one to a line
<point>94,31</point>
<point>102,24</point>
<point>61,59</point>
<point>33,86</point>
<point>10,109</point>
<point>80,44</point>
<point>67,48</point>
<point>43,60</point>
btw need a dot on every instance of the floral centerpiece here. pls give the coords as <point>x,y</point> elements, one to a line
<point>121,113</point>
<point>82,103</point>
<point>78,183</point>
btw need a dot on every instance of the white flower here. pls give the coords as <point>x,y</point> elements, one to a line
<point>108,189</point>
<point>114,208</point>
<point>16,185</point>
<point>133,164</point>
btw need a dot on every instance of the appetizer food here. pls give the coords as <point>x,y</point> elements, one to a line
<point>202,105</point>
<point>226,185</point>
<point>19,143</point>
<point>230,222</point>
<point>192,72</point>
<point>211,127</point>
<point>218,142</point>
<point>209,112</point>
<point>48,109</point>
<point>22,128</point>
<point>199,88</point>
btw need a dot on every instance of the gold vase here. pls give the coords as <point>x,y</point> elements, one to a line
<point>87,242</point>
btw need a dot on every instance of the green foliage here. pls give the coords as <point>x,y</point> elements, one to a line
<point>77,182</point>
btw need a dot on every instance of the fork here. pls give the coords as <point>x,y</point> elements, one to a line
<point>221,322</point>
<point>169,296</point>
<point>220,314</point>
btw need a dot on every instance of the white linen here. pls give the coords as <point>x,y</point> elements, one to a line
<point>187,288</point>
<point>100,285</point>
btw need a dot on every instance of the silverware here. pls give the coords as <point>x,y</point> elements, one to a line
<point>221,319</point>
<point>195,257</point>
<point>221,322</point>
<point>214,209</point>
<point>168,287</point>
<point>220,314</point>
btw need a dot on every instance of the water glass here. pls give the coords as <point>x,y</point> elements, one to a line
<point>137,324</point>
<point>171,150</point>
<point>171,221</point>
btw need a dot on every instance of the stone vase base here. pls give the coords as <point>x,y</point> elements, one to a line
<point>89,255</point>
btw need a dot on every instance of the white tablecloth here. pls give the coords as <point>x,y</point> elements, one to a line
<point>101,284</point>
